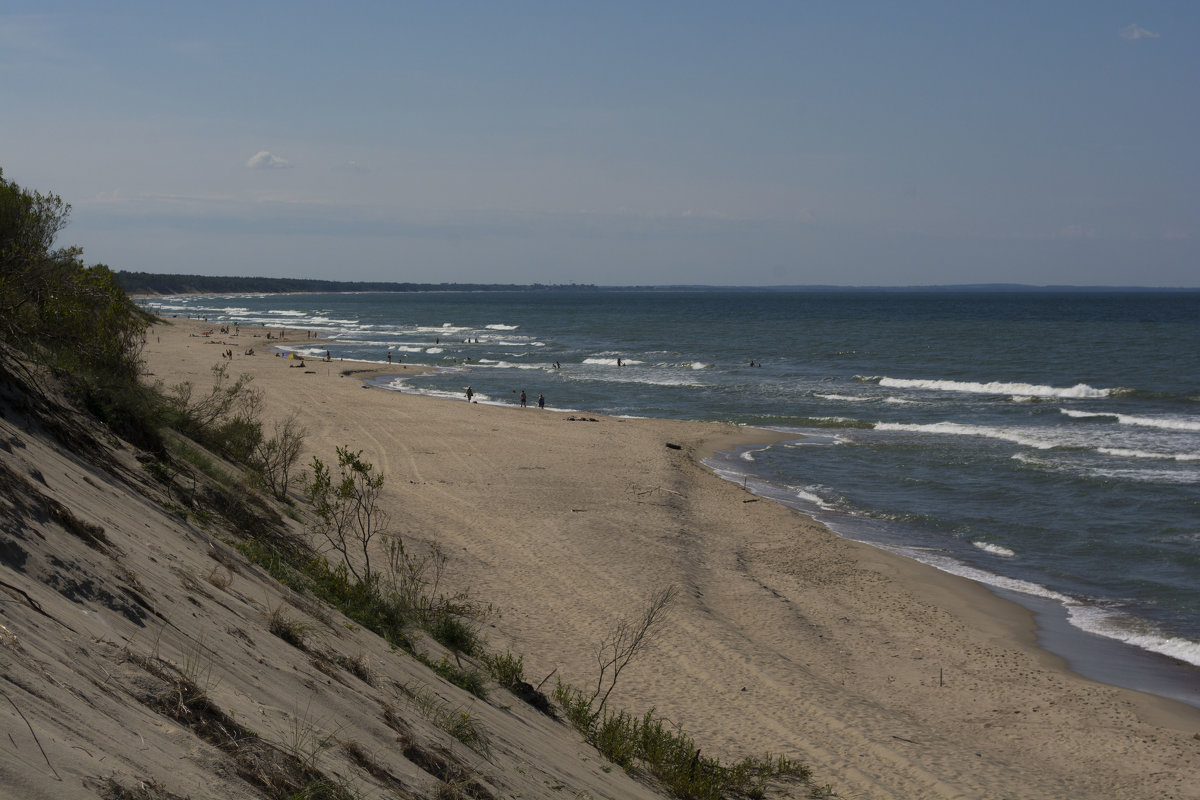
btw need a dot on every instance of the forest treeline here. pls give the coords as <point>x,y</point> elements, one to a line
<point>141,283</point>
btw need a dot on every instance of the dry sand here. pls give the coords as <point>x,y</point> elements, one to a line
<point>891,679</point>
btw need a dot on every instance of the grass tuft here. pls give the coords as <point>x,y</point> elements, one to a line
<point>670,754</point>
<point>291,631</point>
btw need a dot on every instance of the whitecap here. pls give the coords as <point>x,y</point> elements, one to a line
<point>1126,453</point>
<point>1162,423</point>
<point>994,549</point>
<point>1026,438</point>
<point>1080,390</point>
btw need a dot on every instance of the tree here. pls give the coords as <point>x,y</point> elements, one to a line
<point>50,301</point>
<point>274,457</point>
<point>347,511</point>
<point>29,269</point>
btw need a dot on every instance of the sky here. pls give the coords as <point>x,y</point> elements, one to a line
<point>616,143</point>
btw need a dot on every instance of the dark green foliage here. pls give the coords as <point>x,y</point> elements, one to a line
<point>457,633</point>
<point>131,410</point>
<point>225,419</point>
<point>75,318</point>
<point>507,669</point>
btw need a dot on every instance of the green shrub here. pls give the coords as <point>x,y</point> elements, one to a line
<point>507,669</point>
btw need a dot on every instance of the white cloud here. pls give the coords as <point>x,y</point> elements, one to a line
<point>1134,32</point>
<point>266,160</point>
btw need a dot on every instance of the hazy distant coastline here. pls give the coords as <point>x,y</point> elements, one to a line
<point>147,283</point>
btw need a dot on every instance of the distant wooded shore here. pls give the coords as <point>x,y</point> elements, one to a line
<point>149,283</point>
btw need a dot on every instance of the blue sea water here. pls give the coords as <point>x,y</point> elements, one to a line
<point>1046,444</point>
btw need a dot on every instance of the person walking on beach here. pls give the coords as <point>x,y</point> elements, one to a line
<point>470,394</point>
<point>541,401</point>
<point>523,399</point>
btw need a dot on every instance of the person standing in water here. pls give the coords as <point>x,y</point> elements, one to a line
<point>470,394</point>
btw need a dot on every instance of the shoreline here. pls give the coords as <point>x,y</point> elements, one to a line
<point>1089,654</point>
<point>789,638</point>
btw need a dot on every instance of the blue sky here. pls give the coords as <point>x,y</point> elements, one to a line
<point>748,143</point>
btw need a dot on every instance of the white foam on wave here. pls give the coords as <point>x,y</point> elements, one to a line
<point>435,350</point>
<point>1024,438</point>
<point>809,495</point>
<point>845,398</point>
<point>610,362</point>
<point>491,363</point>
<point>1106,622</point>
<point>1126,453</point>
<point>749,453</point>
<point>994,549</point>
<point>349,323</point>
<point>1080,390</point>
<point>402,385</point>
<point>1162,423</point>
<point>1170,476</point>
<point>699,365</point>
<point>1132,630</point>
<point>277,312</point>
<point>955,567</point>
<point>1036,438</point>
<point>499,327</point>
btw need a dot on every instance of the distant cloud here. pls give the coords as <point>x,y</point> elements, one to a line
<point>352,166</point>
<point>1134,32</point>
<point>265,160</point>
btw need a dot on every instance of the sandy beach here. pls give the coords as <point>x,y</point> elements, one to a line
<point>891,679</point>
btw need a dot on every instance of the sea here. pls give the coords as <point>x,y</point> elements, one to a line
<point>1045,444</point>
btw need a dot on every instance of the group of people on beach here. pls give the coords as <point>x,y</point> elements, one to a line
<point>541,401</point>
